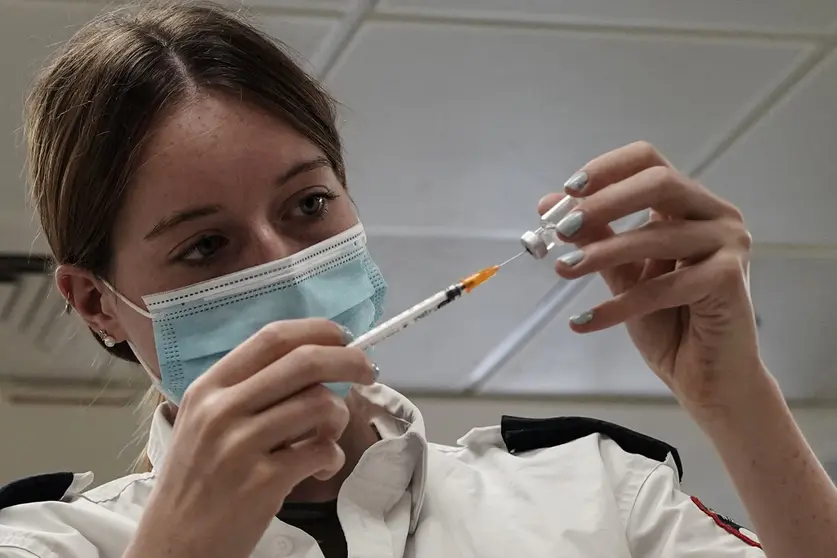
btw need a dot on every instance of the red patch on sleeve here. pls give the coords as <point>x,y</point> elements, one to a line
<point>725,523</point>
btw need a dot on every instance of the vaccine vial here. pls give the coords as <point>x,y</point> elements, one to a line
<point>539,242</point>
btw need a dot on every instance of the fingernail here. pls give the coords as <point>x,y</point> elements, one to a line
<point>570,224</point>
<point>376,372</point>
<point>572,258</point>
<point>577,181</point>
<point>583,318</point>
<point>348,336</point>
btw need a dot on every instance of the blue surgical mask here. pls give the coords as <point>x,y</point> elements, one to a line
<point>196,326</point>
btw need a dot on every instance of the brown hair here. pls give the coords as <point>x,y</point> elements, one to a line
<point>93,107</point>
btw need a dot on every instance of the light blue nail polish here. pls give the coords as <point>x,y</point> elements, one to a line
<point>376,372</point>
<point>577,181</point>
<point>570,224</point>
<point>572,258</point>
<point>583,318</point>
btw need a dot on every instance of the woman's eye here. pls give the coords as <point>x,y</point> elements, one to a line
<point>204,248</point>
<point>313,205</point>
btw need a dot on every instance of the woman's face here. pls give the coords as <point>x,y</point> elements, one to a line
<point>223,187</point>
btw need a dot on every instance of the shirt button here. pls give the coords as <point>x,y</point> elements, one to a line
<point>284,546</point>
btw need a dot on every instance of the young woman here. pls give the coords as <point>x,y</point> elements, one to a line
<point>190,182</point>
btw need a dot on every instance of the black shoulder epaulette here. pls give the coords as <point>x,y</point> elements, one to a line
<point>40,488</point>
<point>523,434</point>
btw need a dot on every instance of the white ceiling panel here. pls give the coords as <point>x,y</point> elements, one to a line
<point>443,120</point>
<point>791,296</point>
<point>805,15</point>
<point>444,348</point>
<point>456,126</point>
<point>304,35</point>
<point>35,30</point>
<point>559,361</point>
<point>783,172</point>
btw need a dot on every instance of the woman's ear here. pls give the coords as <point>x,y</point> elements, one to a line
<point>93,301</point>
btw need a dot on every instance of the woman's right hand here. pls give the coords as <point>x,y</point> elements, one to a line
<point>247,432</point>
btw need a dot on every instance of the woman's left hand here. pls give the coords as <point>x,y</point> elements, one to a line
<point>680,282</point>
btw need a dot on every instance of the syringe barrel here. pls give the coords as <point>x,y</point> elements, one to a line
<point>407,318</point>
<point>539,242</point>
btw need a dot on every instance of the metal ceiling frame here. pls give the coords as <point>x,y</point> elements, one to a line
<point>337,43</point>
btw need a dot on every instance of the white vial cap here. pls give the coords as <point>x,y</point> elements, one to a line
<point>534,244</point>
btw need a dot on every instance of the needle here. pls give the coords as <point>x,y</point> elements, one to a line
<point>510,260</point>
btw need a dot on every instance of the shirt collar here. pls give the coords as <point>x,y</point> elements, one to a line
<point>402,420</point>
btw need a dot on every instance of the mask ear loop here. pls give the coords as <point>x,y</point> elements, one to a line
<point>124,299</point>
<point>155,381</point>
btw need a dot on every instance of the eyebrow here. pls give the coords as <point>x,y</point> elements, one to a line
<point>181,217</point>
<point>191,214</point>
<point>303,167</point>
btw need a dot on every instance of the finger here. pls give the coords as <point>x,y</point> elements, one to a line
<point>657,240</point>
<point>589,234</point>
<point>618,278</point>
<point>655,268</point>
<point>312,457</point>
<point>303,367</point>
<point>314,412</point>
<point>658,188</point>
<point>269,344</point>
<point>614,166</point>
<point>641,300</point>
<point>549,201</point>
<point>682,287</point>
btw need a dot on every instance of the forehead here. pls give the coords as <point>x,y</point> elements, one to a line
<point>212,145</point>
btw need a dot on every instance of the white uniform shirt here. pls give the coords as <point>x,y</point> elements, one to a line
<point>409,498</point>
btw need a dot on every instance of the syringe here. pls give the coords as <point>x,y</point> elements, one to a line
<point>427,306</point>
<point>538,243</point>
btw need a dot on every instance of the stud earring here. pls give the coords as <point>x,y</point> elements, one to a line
<point>108,340</point>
